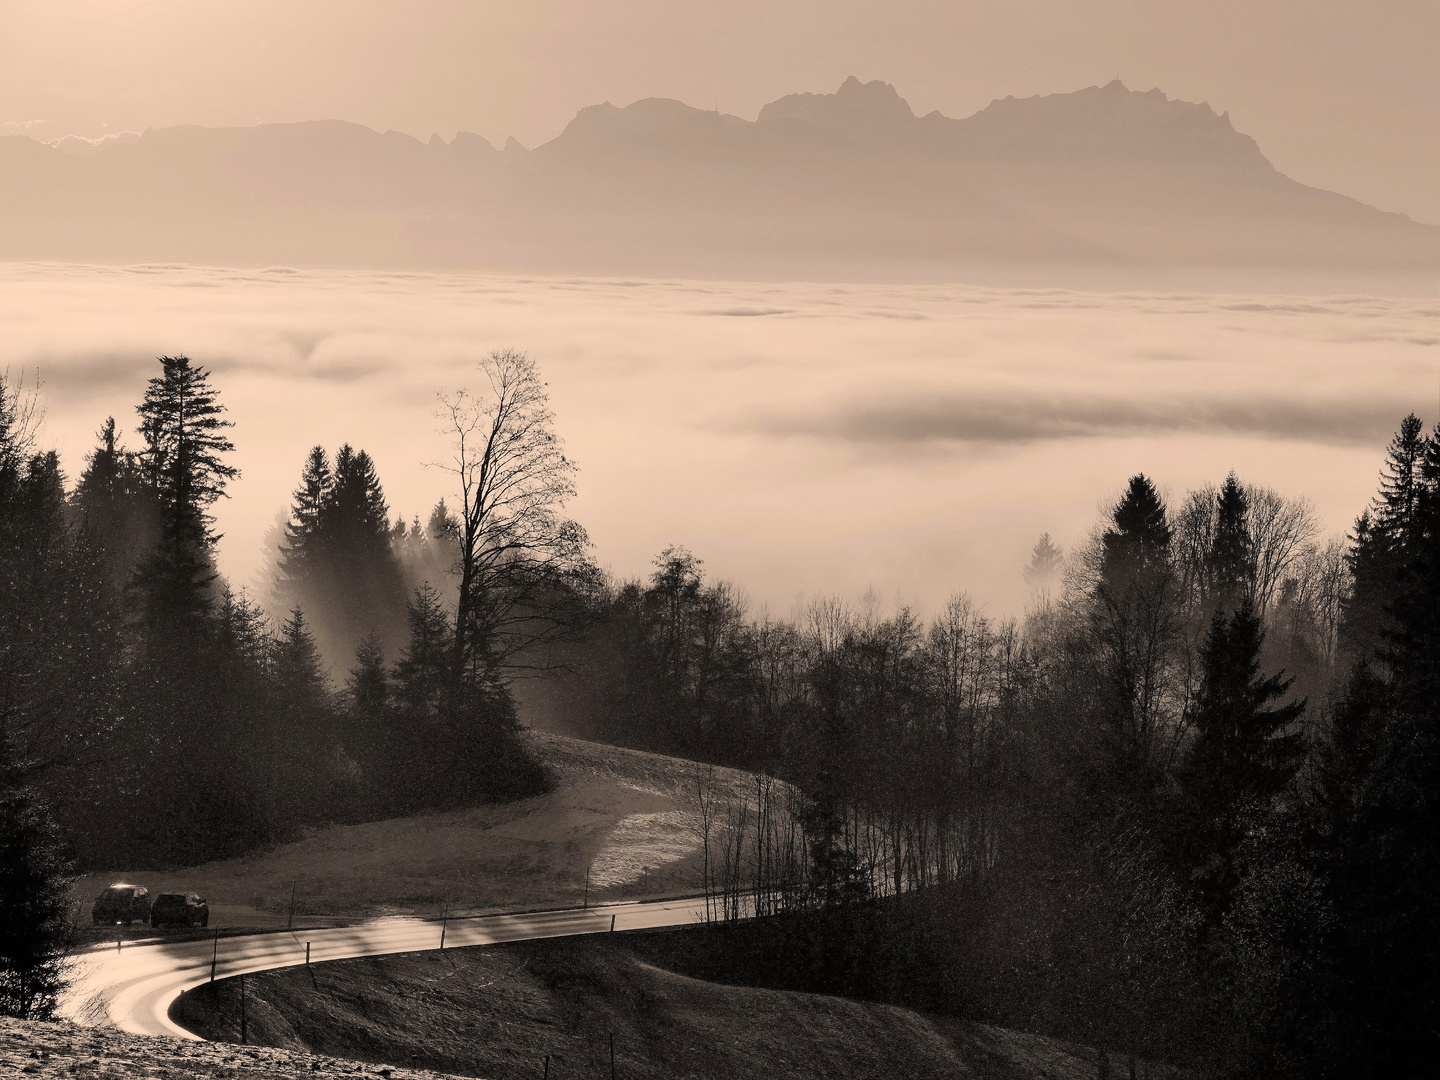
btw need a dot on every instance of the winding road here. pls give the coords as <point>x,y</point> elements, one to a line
<point>133,987</point>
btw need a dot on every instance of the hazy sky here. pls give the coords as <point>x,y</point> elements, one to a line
<point>1340,94</point>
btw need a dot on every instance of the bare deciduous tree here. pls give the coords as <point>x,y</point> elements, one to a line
<point>1281,530</point>
<point>520,560</point>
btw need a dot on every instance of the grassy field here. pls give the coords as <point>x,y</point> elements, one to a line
<point>623,815</point>
<point>498,1012</point>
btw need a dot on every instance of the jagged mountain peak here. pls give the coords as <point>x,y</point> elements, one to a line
<point>872,105</point>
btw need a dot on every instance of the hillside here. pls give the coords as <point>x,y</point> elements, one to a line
<point>499,1011</point>
<point>623,814</point>
<point>823,186</point>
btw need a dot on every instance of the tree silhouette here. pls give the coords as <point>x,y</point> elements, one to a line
<point>519,559</point>
<point>1133,623</point>
<point>34,898</point>
<point>1231,557</point>
<point>180,420</point>
<point>1243,754</point>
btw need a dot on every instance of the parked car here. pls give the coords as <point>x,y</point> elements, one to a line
<point>122,903</point>
<point>179,909</point>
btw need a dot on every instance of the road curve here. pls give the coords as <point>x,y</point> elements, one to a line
<point>133,987</point>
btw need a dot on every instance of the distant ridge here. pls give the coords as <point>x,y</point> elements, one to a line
<point>849,184</point>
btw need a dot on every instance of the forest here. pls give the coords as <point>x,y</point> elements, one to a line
<point>1184,808</point>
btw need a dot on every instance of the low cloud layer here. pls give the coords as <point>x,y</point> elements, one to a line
<point>801,439</point>
<point>990,418</point>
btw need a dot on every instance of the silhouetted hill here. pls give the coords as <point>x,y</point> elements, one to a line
<point>849,184</point>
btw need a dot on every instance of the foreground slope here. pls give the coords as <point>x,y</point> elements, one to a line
<point>499,1011</point>
<point>822,186</point>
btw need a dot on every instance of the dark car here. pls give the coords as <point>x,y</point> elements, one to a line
<point>122,903</point>
<point>179,909</point>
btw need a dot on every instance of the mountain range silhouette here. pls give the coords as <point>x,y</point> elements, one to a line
<point>845,185</point>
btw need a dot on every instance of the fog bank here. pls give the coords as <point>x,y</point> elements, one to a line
<point>802,439</point>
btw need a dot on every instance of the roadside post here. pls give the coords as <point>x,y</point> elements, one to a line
<point>307,954</point>
<point>612,923</point>
<point>444,919</point>
<point>214,955</point>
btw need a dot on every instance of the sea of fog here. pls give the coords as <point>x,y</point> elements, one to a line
<point>803,440</point>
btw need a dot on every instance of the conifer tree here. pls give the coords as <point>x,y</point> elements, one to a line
<point>369,682</point>
<point>302,531</point>
<point>1044,565</point>
<point>424,672</point>
<point>34,898</point>
<point>117,509</point>
<point>1242,756</point>
<point>1231,561</point>
<point>1376,814</point>
<point>1133,621</point>
<point>183,465</point>
<point>1379,542</point>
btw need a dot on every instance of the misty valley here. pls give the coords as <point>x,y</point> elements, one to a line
<point>864,591</point>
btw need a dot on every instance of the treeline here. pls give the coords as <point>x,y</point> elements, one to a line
<point>1185,808</point>
<point>161,718</point>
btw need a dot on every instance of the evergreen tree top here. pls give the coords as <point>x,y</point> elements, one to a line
<point>1139,539</point>
<point>181,422</point>
<point>1400,476</point>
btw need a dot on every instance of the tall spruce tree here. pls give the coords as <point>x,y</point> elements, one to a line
<point>1132,626</point>
<point>299,553</point>
<point>339,559</point>
<point>1243,754</point>
<point>117,511</point>
<point>34,898</point>
<point>181,422</point>
<point>1377,816</point>
<point>1379,542</point>
<point>1231,562</point>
